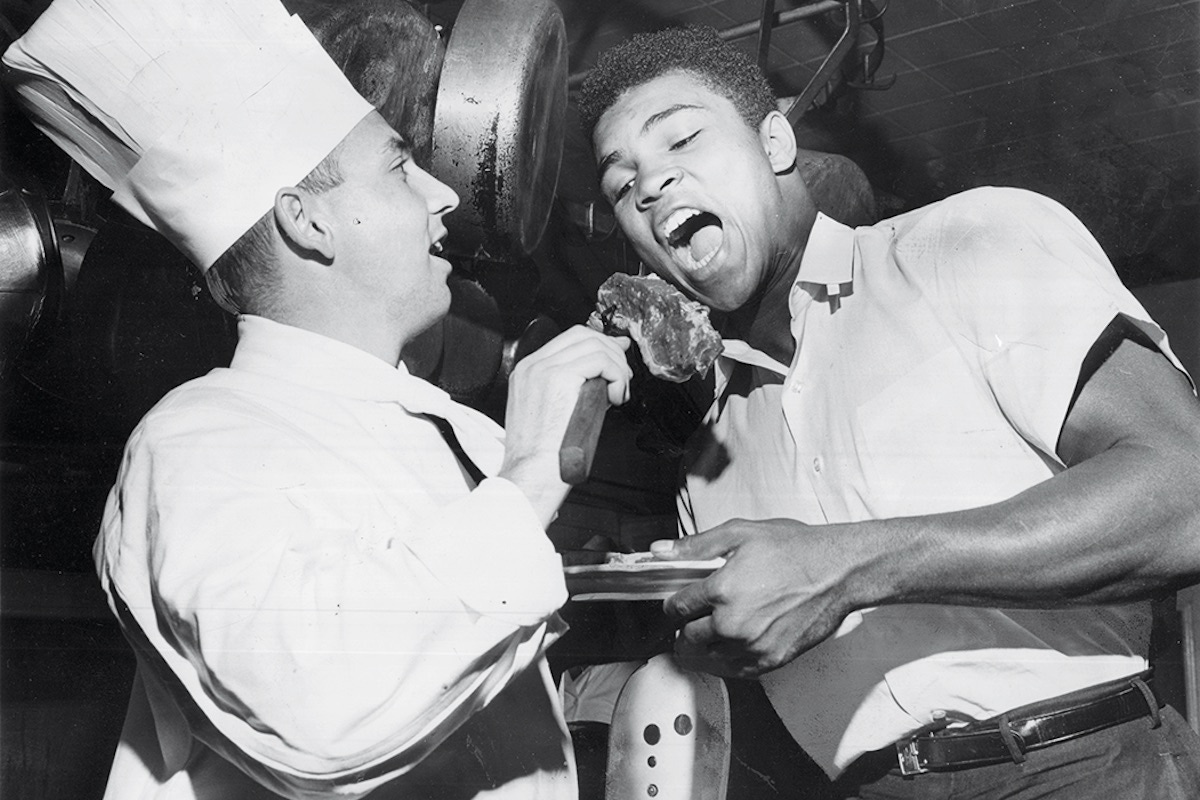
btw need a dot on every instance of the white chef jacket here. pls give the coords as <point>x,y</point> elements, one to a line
<point>317,596</point>
<point>936,356</point>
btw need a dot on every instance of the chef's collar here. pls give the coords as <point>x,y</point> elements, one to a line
<point>309,359</point>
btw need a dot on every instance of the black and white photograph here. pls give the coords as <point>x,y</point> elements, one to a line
<point>599,399</point>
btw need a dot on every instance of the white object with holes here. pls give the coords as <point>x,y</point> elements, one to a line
<point>670,735</point>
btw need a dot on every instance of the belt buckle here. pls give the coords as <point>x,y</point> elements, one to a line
<point>909,758</point>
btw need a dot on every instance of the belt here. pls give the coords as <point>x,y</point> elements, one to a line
<point>1009,736</point>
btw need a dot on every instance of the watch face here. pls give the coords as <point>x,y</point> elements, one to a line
<point>669,738</point>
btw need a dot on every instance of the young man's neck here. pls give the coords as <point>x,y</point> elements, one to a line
<point>764,322</point>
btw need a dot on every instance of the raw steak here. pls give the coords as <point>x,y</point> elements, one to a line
<point>673,333</point>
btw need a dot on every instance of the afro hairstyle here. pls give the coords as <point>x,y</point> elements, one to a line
<point>697,50</point>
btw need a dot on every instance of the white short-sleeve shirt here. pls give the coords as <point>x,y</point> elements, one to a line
<point>937,355</point>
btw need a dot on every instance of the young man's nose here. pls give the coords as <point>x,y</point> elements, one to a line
<point>654,184</point>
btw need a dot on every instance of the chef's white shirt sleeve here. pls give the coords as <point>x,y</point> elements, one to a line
<point>319,646</point>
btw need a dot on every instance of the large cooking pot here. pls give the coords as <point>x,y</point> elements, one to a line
<point>391,53</point>
<point>490,104</point>
<point>499,123</point>
<point>31,273</point>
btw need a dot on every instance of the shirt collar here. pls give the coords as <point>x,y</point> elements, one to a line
<point>826,269</point>
<point>828,258</point>
<point>738,350</point>
<point>309,359</point>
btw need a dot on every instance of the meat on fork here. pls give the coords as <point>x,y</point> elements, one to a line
<point>674,334</point>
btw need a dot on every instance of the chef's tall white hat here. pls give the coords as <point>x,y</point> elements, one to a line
<point>194,112</point>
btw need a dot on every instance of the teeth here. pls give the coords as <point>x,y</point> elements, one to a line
<point>693,264</point>
<point>677,219</point>
<point>436,248</point>
<point>680,235</point>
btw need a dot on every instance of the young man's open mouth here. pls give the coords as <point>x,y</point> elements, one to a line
<point>694,237</point>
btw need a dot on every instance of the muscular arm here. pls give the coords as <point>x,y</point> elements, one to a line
<point>1120,523</point>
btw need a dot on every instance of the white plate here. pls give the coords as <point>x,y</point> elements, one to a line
<point>635,577</point>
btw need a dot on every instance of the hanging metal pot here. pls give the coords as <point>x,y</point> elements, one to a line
<point>499,123</point>
<point>31,272</point>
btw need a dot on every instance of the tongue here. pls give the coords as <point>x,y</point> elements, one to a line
<point>704,241</point>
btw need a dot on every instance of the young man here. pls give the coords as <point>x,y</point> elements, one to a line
<point>949,458</point>
<point>336,580</point>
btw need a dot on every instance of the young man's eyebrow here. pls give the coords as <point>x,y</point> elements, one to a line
<point>651,121</point>
<point>605,163</point>
<point>654,119</point>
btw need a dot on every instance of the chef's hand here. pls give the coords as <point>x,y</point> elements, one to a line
<point>781,591</point>
<point>542,391</point>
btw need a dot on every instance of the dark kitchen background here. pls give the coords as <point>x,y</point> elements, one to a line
<point>1095,104</point>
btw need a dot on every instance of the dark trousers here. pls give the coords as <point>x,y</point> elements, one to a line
<point>1130,761</point>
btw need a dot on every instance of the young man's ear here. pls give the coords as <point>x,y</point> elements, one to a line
<point>778,141</point>
<point>302,222</point>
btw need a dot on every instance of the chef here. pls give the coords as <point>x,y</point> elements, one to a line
<point>336,580</point>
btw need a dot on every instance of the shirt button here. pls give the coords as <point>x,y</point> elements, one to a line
<point>817,464</point>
